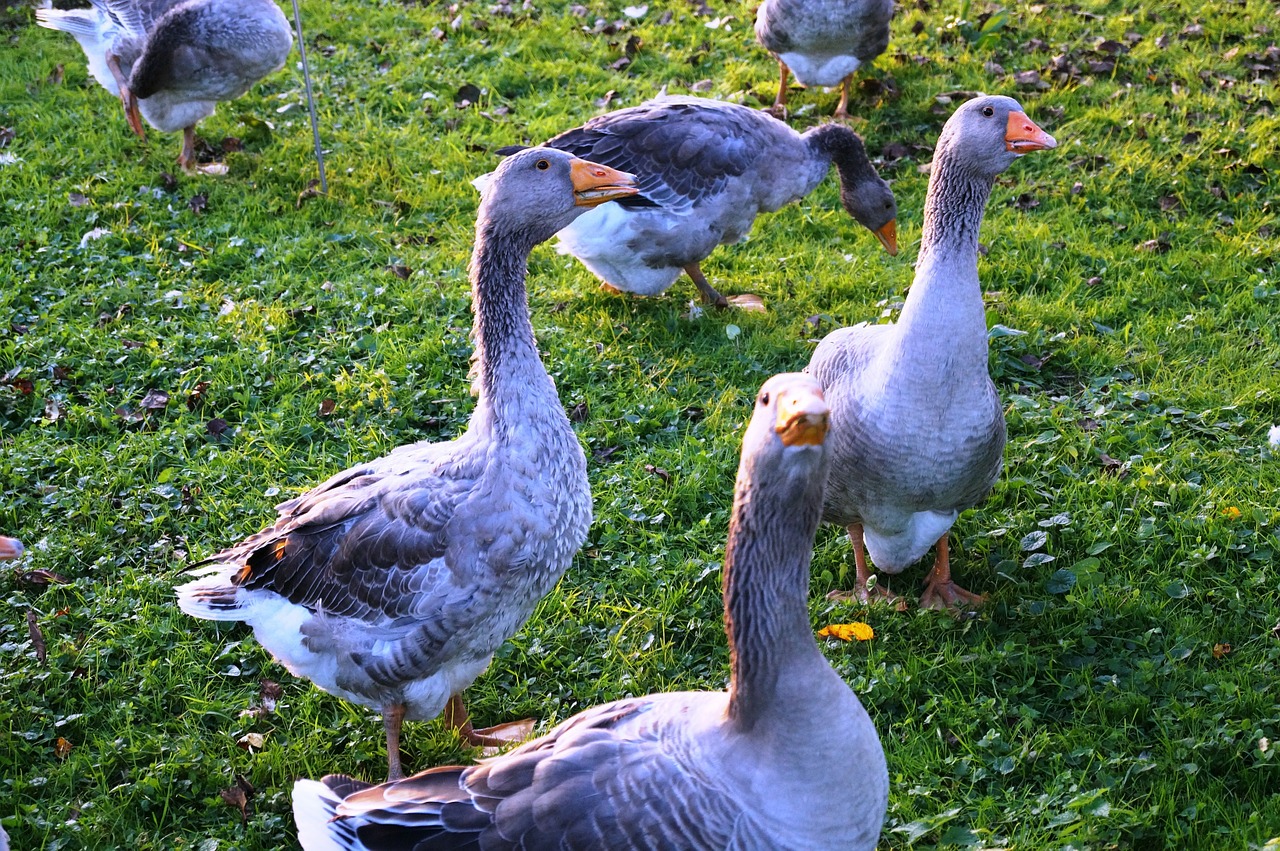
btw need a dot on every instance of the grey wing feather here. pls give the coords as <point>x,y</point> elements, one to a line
<point>681,152</point>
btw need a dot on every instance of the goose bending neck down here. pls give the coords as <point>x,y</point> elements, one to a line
<point>917,426</point>
<point>393,583</point>
<point>747,769</point>
<point>172,61</point>
<point>705,170</point>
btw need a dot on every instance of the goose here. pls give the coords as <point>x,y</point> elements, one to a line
<point>750,768</point>
<point>706,169</point>
<point>393,583</point>
<point>822,42</point>
<point>917,427</point>
<point>174,60</point>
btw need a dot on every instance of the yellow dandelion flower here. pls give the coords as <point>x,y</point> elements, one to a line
<point>848,631</point>
<point>1231,512</point>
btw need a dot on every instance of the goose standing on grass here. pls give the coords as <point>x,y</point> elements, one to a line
<point>393,583</point>
<point>786,759</point>
<point>822,42</point>
<point>174,60</point>
<point>917,430</point>
<point>705,170</point>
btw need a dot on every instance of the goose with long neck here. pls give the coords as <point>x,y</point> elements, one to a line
<point>393,583</point>
<point>822,42</point>
<point>917,427</point>
<point>750,768</point>
<point>172,61</point>
<point>705,170</point>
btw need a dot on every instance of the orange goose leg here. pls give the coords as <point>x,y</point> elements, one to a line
<point>779,108</point>
<point>842,110</point>
<point>392,718</point>
<point>456,717</point>
<point>863,578</point>
<point>939,591</point>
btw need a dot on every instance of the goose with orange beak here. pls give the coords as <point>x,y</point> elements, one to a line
<point>917,427</point>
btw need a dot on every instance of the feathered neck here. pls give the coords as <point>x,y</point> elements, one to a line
<point>511,377</point>
<point>766,588</point>
<point>836,144</point>
<point>953,210</point>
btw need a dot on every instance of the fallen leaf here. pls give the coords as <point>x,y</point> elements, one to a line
<point>400,270</point>
<point>659,472</point>
<point>37,637</point>
<point>251,741</point>
<point>1221,650</point>
<point>269,692</point>
<point>196,396</point>
<point>61,748</point>
<point>41,578</point>
<point>1231,512</point>
<point>580,413</point>
<point>155,400</point>
<point>467,95</point>
<point>312,191</point>
<point>848,631</point>
<point>326,407</point>
<point>198,203</point>
<point>217,426</point>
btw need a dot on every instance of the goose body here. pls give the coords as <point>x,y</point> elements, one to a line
<point>917,427</point>
<point>393,583</point>
<point>705,170</point>
<point>173,61</point>
<point>750,768</point>
<point>823,42</point>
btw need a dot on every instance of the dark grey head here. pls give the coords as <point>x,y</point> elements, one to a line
<point>863,192</point>
<point>540,191</point>
<point>985,135</point>
<point>785,442</point>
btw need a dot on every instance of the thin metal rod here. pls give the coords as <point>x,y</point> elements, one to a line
<point>311,101</point>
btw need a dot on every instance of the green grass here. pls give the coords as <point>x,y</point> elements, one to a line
<point>1084,708</point>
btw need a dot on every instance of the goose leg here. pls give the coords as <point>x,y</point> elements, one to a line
<point>187,159</point>
<point>392,718</point>
<point>126,96</point>
<point>779,108</point>
<point>842,109</point>
<point>863,577</point>
<point>939,591</point>
<point>709,294</point>
<point>457,717</point>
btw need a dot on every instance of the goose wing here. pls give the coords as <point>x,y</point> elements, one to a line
<point>682,150</point>
<point>610,777</point>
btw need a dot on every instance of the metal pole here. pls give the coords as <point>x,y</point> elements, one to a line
<point>311,101</point>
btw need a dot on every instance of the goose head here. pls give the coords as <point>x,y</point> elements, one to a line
<point>540,191</point>
<point>785,441</point>
<point>871,203</point>
<point>985,135</point>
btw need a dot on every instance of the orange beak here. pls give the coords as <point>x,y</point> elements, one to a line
<point>888,236</point>
<point>802,417</point>
<point>1022,136</point>
<point>594,184</point>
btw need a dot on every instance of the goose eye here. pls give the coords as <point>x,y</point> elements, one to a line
<point>764,398</point>
<point>986,110</point>
<point>543,165</point>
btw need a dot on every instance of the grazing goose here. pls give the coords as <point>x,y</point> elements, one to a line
<point>393,583</point>
<point>917,430</point>
<point>786,759</point>
<point>174,60</point>
<point>706,169</point>
<point>822,42</point>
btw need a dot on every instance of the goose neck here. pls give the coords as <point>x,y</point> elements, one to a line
<point>835,144</point>
<point>511,376</point>
<point>953,210</point>
<point>766,588</point>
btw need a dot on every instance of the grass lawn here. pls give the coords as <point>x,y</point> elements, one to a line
<point>179,353</point>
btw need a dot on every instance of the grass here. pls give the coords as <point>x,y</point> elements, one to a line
<point>1132,274</point>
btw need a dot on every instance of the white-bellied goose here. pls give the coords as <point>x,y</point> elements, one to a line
<point>917,430</point>
<point>393,583</point>
<point>705,170</point>
<point>174,60</point>
<point>822,42</point>
<point>786,759</point>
